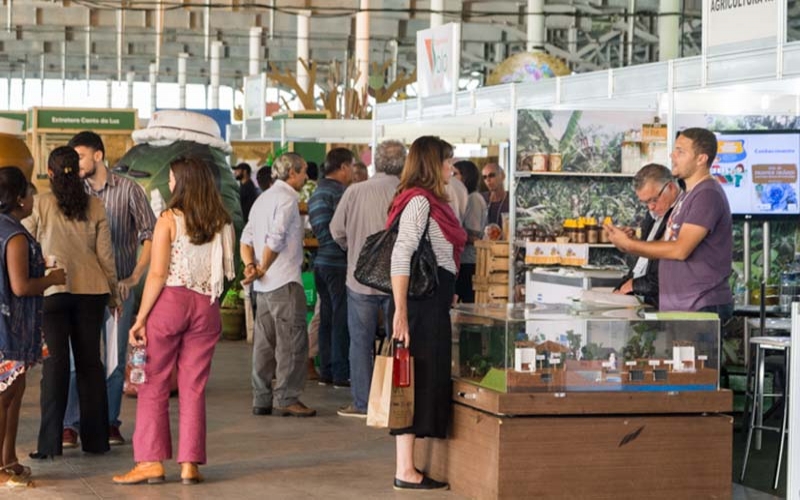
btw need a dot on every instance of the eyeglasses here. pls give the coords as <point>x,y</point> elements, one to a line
<point>489,176</point>
<point>654,199</point>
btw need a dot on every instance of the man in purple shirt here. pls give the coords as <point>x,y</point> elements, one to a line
<point>695,255</point>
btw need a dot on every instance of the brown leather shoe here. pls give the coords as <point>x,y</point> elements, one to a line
<point>151,472</point>
<point>297,409</point>
<point>190,474</point>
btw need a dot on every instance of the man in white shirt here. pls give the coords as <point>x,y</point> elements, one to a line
<point>272,252</point>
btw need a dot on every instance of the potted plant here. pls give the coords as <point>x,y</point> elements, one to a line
<point>232,313</point>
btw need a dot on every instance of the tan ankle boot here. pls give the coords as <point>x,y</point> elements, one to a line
<point>152,472</point>
<point>190,473</point>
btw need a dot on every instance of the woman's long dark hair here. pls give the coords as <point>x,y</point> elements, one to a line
<point>66,184</point>
<point>13,187</point>
<point>469,174</point>
<point>197,196</point>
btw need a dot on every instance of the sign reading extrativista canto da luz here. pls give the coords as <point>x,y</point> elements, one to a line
<point>732,25</point>
<point>84,119</point>
<point>438,59</point>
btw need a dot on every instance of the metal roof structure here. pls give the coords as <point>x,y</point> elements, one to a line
<point>107,39</point>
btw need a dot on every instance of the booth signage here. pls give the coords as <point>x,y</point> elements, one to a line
<point>733,25</point>
<point>85,119</point>
<point>254,93</point>
<point>438,59</point>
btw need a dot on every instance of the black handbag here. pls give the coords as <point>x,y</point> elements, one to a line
<point>374,265</point>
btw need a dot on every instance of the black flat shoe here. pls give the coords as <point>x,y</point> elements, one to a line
<point>426,484</point>
<point>262,410</point>
<point>39,456</point>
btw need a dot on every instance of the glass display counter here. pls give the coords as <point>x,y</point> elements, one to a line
<point>582,348</point>
<point>580,401</point>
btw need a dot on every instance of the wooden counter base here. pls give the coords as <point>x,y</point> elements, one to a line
<point>583,456</point>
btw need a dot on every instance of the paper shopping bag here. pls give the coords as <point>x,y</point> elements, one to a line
<point>388,406</point>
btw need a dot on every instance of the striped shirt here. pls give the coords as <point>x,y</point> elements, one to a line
<point>412,225</point>
<point>130,219</point>
<point>321,207</point>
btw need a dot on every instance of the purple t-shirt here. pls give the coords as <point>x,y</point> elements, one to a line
<point>702,279</point>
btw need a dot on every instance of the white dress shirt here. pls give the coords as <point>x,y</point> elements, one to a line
<point>275,222</point>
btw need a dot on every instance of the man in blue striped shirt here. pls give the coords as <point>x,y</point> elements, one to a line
<point>131,222</point>
<point>330,269</point>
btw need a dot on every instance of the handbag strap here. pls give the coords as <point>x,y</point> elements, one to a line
<point>396,225</point>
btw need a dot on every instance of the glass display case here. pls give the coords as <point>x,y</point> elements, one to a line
<point>584,348</point>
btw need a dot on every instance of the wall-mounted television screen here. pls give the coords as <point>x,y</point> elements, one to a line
<point>758,172</point>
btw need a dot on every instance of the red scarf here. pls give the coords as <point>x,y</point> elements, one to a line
<point>441,212</point>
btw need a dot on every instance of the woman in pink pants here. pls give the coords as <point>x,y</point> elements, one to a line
<point>179,321</point>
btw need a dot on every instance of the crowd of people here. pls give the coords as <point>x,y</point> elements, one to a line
<point>77,253</point>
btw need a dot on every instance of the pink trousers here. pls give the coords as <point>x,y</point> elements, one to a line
<point>183,328</point>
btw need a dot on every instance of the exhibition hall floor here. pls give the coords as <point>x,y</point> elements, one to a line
<point>326,456</point>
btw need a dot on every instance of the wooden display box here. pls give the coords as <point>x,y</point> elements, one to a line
<point>490,281</point>
<point>585,445</point>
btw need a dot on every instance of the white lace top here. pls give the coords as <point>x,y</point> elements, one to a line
<point>200,268</point>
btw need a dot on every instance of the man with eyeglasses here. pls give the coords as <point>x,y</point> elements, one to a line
<point>656,190</point>
<point>695,255</point>
<point>496,196</point>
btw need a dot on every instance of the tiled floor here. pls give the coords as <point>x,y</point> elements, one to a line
<point>326,456</point>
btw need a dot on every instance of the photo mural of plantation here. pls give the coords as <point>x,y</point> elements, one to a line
<point>589,142</point>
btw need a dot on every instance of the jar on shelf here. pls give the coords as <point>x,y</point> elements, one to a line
<point>571,229</point>
<point>539,162</point>
<point>580,233</point>
<point>603,232</point>
<point>555,162</point>
<point>592,231</point>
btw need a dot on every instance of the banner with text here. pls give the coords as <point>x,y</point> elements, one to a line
<point>438,59</point>
<point>733,25</point>
<point>83,119</point>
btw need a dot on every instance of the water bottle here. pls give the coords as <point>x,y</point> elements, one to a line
<point>138,357</point>
<point>790,285</point>
<point>401,368</point>
<point>739,292</point>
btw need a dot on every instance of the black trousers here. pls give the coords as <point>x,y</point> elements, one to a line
<point>464,283</point>
<point>76,320</point>
<point>431,347</point>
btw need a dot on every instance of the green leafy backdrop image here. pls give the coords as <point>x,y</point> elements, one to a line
<point>149,167</point>
<point>589,142</point>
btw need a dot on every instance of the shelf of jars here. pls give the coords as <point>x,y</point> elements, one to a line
<point>526,174</point>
